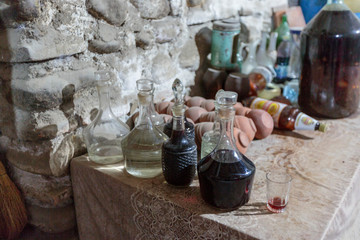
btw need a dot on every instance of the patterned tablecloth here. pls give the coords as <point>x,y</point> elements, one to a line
<point>324,198</point>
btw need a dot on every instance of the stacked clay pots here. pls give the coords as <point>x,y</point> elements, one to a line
<point>248,123</point>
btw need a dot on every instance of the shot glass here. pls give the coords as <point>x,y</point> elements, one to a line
<point>277,190</point>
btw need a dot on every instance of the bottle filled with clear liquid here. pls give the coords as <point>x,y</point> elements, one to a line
<point>104,134</point>
<point>142,146</point>
<point>225,175</point>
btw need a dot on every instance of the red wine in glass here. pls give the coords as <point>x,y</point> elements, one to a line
<point>276,204</point>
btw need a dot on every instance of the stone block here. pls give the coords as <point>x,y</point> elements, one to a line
<point>107,32</point>
<point>189,56</point>
<point>177,7</point>
<point>37,43</point>
<point>152,9</point>
<point>28,9</point>
<point>145,39</point>
<point>32,126</point>
<point>163,68</point>
<point>212,9</point>
<point>50,157</point>
<point>8,16</point>
<point>194,3</point>
<point>167,29</point>
<point>52,220</point>
<point>104,47</point>
<point>113,11</point>
<point>43,191</point>
<point>42,93</point>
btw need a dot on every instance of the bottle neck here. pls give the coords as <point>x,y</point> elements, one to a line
<point>263,41</point>
<point>178,123</point>
<point>178,128</point>
<point>144,110</point>
<point>216,126</point>
<point>104,98</point>
<point>227,140</point>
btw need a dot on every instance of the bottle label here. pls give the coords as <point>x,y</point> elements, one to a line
<point>305,122</point>
<point>281,71</point>
<point>273,108</point>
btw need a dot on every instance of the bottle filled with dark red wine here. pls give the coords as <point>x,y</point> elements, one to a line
<point>178,90</point>
<point>179,153</point>
<point>226,175</point>
<point>330,53</point>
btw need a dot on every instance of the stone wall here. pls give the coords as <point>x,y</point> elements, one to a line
<point>49,50</point>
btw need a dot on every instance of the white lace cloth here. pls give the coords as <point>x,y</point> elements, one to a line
<point>324,198</point>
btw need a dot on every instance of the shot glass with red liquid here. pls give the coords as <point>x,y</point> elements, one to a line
<point>278,184</point>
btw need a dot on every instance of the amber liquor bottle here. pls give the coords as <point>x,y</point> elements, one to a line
<point>285,116</point>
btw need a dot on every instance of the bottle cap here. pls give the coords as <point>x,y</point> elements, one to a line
<point>227,98</point>
<point>226,26</point>
<point>322,127</point>
<point>178,90</point>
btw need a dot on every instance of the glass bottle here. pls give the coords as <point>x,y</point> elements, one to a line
<point>283,31</point>
<point>142,146</point>
<point>294,62</point>
<point>271,51</point>
<point>250,61</point>
<point>211,138</point>
<point>282,62</point>
<point>261,55</point>
<point>285,116</point>
<point>155,117</point>
<point>225,175</point>
<point>330,54</point>
<point>178,90</point>
<point>179,153</point>
<point>104,134</point>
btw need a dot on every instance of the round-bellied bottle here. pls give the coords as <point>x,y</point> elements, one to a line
<point>225,175</point>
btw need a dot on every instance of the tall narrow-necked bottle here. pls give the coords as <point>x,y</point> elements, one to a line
<point>225,175</point>
<point>104,134</point>
<point>178,89</point>
<point>142,146</point>
<point>283,31</point>
<point>179,153</point>
<point>330,54</point>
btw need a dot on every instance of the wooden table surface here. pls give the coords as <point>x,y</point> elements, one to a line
<point>323,204</point>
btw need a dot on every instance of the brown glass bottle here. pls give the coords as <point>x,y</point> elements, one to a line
<point>285,116</point>
<point>330,53</point>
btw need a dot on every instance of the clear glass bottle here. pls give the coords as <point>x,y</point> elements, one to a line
<point>104,134</point>
<point>262,58</point>
<point>178,89</point>
<point>211,138</point>
<point>225,175</point>
<point>179,153</point>
<point>142,146</point>
<point>155,117</point>
<point>330,55</point>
